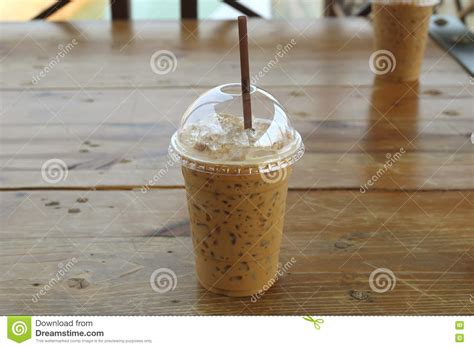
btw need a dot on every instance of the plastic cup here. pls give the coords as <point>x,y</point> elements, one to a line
<point>400,35</point>
<point>236,184</point>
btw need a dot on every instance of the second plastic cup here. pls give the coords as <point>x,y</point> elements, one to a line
<point>236,184</point>
<point>400,36</point>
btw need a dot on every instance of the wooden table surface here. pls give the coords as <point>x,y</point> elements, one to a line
<point>104,112</point>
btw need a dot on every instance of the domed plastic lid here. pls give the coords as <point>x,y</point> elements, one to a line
<point>212,138</point>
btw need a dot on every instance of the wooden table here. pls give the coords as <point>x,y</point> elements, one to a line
<point>109,117</point>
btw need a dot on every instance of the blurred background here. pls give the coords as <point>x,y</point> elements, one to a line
<point>65,10</point>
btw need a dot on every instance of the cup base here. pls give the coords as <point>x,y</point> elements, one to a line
<point>229,293</point>
<point>398,79</point>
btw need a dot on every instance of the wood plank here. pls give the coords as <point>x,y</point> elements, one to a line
<point>317,103</point>
<point>337,239</point>
<point>348,133</point>
<point>326,52</point>
<point>412,172</point>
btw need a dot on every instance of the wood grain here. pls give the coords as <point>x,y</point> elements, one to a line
<point>104,112</point>
<point>348,134</point>
<point>337,239</point>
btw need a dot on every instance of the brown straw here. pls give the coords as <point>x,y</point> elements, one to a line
<point>245,72</point>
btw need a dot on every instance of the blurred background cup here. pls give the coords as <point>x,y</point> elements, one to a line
<point>400,35</point>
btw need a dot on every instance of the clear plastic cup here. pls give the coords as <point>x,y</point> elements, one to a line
<point>400,36</point>
<point>236,184</point>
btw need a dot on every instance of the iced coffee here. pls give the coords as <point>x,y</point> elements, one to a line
<point>400,36</point>
<point>236,184</point>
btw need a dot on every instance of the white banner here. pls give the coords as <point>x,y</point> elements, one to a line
<point>239,331</point>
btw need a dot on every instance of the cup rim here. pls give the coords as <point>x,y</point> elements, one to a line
<point>228,168</point>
